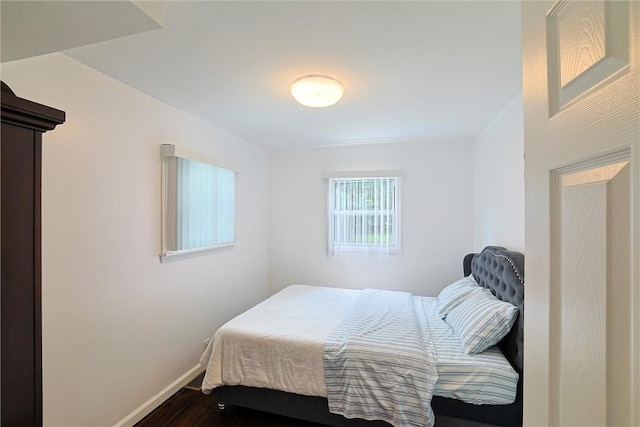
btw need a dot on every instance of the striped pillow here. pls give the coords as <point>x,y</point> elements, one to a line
<point>481,321</point>
<point>456,293</point>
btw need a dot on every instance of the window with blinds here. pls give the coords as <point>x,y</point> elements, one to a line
<point>198,203</point>
<point>363,214</point>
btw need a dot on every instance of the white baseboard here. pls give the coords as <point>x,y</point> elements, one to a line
<point>147,407</point>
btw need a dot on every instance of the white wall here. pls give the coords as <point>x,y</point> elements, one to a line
<point>118,326</point>
<point>437,210</point>
<point>498,180</point>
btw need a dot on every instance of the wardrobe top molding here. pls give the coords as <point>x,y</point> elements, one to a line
<point>22,112</point>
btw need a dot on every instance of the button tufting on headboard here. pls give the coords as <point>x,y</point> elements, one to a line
<point>502,272</point>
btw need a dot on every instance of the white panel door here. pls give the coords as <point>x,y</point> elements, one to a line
<point>582,223</point>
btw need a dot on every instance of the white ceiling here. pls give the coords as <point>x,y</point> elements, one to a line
<point>31,28</point>
<point>413,71</point>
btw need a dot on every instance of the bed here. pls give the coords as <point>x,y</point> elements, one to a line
<point>271,358</point>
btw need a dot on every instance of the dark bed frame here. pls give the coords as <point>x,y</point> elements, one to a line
<point>495,268</point>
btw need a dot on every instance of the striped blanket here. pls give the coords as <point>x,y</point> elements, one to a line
<point>379,364</point>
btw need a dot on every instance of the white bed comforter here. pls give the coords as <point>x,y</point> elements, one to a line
<point>291,358</point>
<point>278,344</point>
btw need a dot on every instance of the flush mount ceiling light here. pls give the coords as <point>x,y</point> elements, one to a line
<point>316,90</point>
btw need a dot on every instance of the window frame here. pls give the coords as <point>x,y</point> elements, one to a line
<point>172,150</point>
<point>396,248</point>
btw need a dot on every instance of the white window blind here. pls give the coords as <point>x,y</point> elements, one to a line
<point>205,200</point>
<point>363,214</point>
<point>198,203</point>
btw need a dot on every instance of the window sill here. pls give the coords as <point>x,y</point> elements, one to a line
<point>171,256</point>
<point>364,251</point>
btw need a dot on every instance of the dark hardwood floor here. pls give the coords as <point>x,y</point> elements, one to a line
<point>189,407</point>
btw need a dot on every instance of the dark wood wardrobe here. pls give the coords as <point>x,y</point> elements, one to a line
<point>23,123</point>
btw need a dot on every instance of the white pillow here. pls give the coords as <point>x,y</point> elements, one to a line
<point>456,293</point>
<point>481,321</point>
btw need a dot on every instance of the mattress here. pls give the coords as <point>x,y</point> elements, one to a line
<point>278,344</point>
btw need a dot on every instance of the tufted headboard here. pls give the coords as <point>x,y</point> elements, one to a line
<point>502,272</point>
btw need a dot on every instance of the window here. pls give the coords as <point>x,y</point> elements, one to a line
<point>198,203</point>
<point>363,213</point>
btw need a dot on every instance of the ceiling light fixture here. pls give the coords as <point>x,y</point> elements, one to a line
<point>316,90</point>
